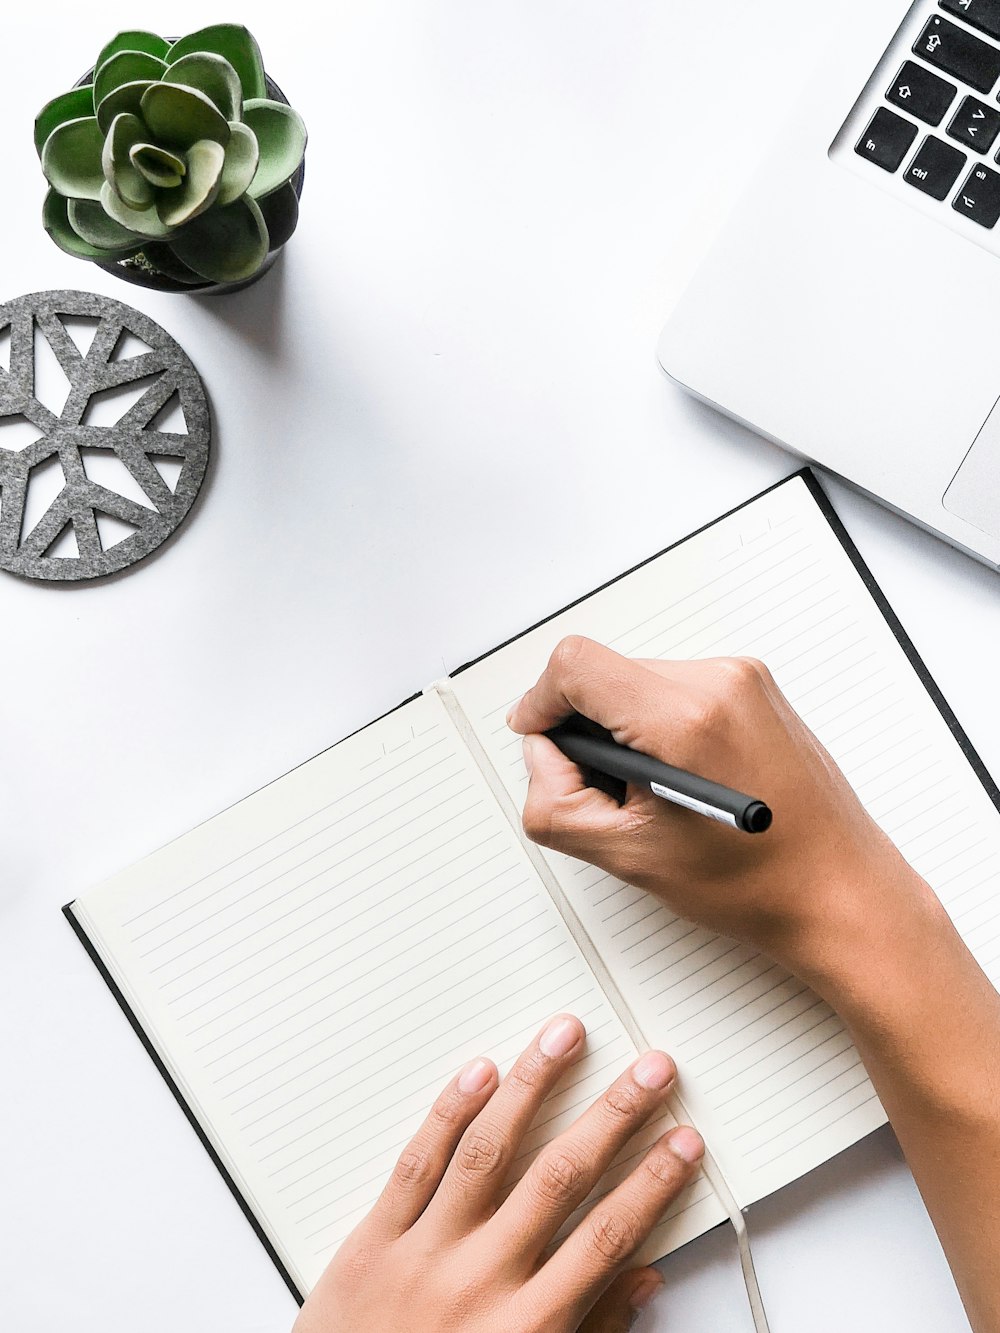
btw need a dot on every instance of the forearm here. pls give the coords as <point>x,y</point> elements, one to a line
<point>926,1021</point>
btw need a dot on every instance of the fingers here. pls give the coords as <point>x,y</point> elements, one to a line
<point>615,1312</point>
<point>472,1181</point>
<point>585,677</point>
<point>418,1172</point>
<point>562,1176</point>
<point>560,810</point>
<point>618,1225</point>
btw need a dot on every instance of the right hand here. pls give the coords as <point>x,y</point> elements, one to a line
<point>800,891</point>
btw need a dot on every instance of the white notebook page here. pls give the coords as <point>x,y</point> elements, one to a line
<point>316,963</point>
<point>768,1071</point>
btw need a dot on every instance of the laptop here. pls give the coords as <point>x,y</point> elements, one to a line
<point>850,309</point>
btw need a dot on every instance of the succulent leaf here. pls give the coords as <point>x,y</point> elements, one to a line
<point>90,222</point>
<point>71,159</point>
<point>281,138</point>
<point>55,220</point>
<point>136,40</point>
<point>177,117</point>
<point>125,67</point>
<point>225,244</point>
<point>77,104</point>
<point>235,44</point>
<point>240,165</point>
<point>126,98</point>
<point>212,75</point>
<point>162,169</point>
<point>280,210</point>
<point>128,183</point>
<point>145,222</point>
<point>166,262</point>
<point>198,190</point>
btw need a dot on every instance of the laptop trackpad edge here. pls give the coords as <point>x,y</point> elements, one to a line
<point>974,492</point>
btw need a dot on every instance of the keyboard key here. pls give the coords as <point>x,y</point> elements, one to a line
<point>959,54</point>
<point>935,168</point>
<point>887,139</point>
<point>981,14</point>
<point>979,197</point>
<point>975,124</point>
<point>921,93</point>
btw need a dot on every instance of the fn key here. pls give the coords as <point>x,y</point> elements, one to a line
<point>887,139</point>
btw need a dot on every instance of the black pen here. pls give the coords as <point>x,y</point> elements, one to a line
<point>707,798</point>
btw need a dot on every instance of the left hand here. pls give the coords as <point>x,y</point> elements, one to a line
<point>440,1252</point>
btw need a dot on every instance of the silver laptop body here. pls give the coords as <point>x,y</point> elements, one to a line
<point>850,310</point>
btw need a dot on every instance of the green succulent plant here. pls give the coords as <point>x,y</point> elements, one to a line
<point>173,158</point>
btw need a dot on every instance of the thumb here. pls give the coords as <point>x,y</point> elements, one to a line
<point>618,1307</point>
<point>560,810</point>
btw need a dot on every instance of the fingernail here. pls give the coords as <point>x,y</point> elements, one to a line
<point>475,1076</point>
<point>559,1037</point>
<point>645,1291</point>
<point>687,1143</point>
<point>511,711</point>
<point>526,752</point>
<point>655,1070</point>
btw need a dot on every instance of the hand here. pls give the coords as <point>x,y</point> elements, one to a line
<point>441,1252</point>
<point>799,892</point>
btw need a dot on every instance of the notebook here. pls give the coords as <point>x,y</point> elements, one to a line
<point>311,966</point>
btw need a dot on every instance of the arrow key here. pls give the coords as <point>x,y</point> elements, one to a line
<point>979,197</point>
<point>981,14</point>
<point>975,124</point>
<point>921,93</point>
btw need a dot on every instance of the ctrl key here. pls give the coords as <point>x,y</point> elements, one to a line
<point>887,139</point>
<point>979,197</point>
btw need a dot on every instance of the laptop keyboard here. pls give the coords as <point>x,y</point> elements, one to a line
<point>937,122</point>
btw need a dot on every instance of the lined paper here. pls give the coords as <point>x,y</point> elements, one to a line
<point>768,1071</point>
<point>316,963</point>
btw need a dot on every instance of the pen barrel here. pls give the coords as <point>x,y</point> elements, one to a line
<point>677,785</point>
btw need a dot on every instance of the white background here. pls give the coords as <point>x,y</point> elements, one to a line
<point>437,420</point>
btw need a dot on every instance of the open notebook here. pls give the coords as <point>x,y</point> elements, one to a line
<point>311,966</point>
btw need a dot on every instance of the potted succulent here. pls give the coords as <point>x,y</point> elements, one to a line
<point>174,163</point>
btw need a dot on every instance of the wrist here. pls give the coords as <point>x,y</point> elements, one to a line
<point>878,930</point>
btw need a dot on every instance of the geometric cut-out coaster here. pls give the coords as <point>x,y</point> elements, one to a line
<point>102,450</point>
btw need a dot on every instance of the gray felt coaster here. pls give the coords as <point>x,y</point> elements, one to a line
<point>165,466</point>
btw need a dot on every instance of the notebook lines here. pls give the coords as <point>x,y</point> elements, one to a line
<point>384,962</point>
<point>379,820</point>
<point>207,981</point>
<point>397,994</point>
<point>298,823</point>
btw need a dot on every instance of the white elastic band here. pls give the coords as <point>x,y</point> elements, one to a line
<point>711,1168</point>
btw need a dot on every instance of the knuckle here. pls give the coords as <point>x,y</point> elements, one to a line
<point>560,1176</point>
<point>413,1167</point>
<point>355,1260</point>
<point>615,1235</point>
<point>567,654</point>
<point>664,1167</point>
<point>528,1074</point>
<point>738,675</point>
<point>480,1155</point>
<point>446,1112</point>
<point>622,1101</point>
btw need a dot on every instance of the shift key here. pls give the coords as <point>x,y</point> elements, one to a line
<point>959,54</point>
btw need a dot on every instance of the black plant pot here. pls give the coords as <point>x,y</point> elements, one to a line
<point>142,271</point>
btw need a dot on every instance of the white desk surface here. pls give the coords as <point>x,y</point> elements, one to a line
<point>421,414</point>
